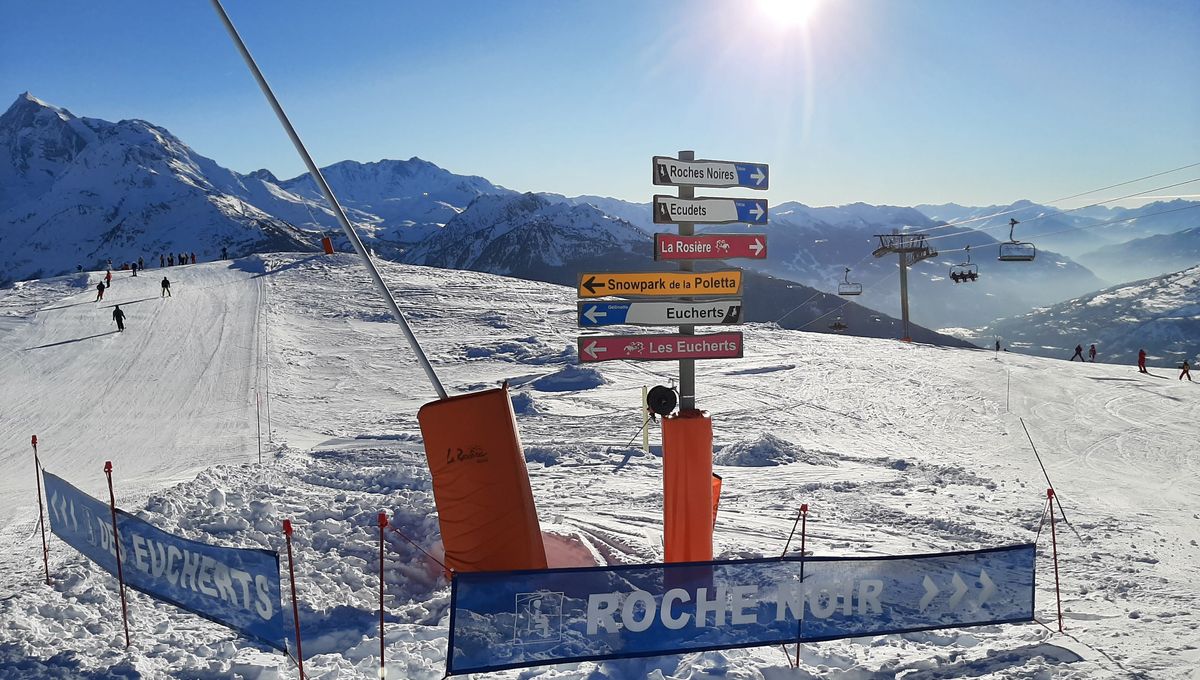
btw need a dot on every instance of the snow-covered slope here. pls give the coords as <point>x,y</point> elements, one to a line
<point>80,191</point>
<point>896,448</point>
<point>1145,257</point>
<point>1160,315</point>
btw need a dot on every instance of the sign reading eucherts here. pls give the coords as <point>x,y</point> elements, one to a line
<point>235,587</point>
<point>725,282</point>
<point>659,347</point>
<point>709,210</point>
<point>531,618</point>
<point>665,313</point>
<point>672,172</point>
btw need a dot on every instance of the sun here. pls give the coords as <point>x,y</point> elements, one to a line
<point>787,13</point>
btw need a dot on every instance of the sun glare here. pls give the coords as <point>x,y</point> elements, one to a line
<point>788,13</point>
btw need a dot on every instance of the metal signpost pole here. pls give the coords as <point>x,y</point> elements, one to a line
<point>687,367</point>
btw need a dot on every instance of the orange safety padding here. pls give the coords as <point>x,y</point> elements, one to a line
<point>327,245</point>
<point>687,487</point>
<point>716,491</point>
<point>480,483</point>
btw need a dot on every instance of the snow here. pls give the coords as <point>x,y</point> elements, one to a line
<point>897,448</point>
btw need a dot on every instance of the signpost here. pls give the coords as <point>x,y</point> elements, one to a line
<point>673,172</point>
<point>724,282</point>
<point>710,246</point>
<point>660,347</point>
<point>664,313</point>
<point>709,210</point>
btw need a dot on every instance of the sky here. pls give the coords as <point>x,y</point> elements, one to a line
<point>922,101</point>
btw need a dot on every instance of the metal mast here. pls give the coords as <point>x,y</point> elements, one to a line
<point>912,248</point>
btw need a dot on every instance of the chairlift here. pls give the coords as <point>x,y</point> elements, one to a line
<point>847,288</point>
<point>965,272</point>
<point>1014,250</point>
<point>838,326</point>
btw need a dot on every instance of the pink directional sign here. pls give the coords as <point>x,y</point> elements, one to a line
<point>594,348</point>
<point>709,246</point>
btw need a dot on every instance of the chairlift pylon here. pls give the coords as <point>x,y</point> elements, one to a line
<point>965,272</point>
<point>1014,250</point>
<point>848,288</point>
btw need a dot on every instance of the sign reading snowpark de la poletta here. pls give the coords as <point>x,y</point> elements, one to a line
<point>709,210</point>
<point>721,283</point>
<point>235,587</point>
<point>672,172</point>
<point>659,347</point>
<point>504,620</point>
<point>710,246</point>
<point>660,313</point>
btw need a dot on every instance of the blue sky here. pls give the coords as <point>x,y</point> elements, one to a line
<point>899,102</point>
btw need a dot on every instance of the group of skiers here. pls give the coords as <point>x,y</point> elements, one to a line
<point>170,259</point>
<point>1185,367</point>
<point>1079,353</point>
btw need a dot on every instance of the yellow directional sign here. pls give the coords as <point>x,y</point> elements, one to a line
<point>660,284</point>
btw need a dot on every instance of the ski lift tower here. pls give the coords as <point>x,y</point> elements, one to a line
<point>912,248</point>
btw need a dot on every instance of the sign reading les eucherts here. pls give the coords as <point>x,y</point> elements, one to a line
<point>236,587</point>
<point>530,618</point>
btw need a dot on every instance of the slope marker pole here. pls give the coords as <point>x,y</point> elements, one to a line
<point>319,179</point>
<point>112,506</point>
<point>37,471</point>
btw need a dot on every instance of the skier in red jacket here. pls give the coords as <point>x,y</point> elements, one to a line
<point>1142,361</point>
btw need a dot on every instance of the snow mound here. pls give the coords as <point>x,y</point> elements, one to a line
<point>768,450</point>
<point>570,378</point>
<point>522,351</point>
<point>522,403</point>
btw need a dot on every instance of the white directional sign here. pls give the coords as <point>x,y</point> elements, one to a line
<point>709,210</point>
<point>720,174</point>
<point>664,313</point>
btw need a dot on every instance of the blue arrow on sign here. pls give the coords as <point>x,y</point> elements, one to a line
<point>603,313</point>
<point>751,210</point>
<point>752,175</point>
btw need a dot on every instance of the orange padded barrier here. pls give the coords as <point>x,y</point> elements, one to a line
<point>480,483</point>
<point>327,245</point>
<point>687,487</point>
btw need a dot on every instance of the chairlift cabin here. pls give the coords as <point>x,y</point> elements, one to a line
<point>965,272</point>
<point>1014,250</point>
<point>847,288</point>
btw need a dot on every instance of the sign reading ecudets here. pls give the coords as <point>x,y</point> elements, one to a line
<point>510,620</point>
<point>709,210</point>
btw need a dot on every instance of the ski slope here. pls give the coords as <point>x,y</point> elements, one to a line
<point>896,448</point>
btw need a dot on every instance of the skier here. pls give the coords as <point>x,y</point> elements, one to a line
<point>108,279</point>
<point>134,267</point>
<point>141,265</point>
<point>1092,353</point>
<point>1186,371</point>
<point>1142,361</point>
<point>99,291</point>
<point>193,258</point>
<point>170,259</point>
<point>1078,353</point>
<point>162,261</point>
<point>997,345</point>
<point>119,317</point>
<point>224,253</point>
<point>166,288</point>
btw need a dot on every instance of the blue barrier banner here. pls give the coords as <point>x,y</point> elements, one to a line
<point>235,587</point>
<point>528,618</point>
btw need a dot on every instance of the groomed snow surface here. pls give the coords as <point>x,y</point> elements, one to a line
<point>896,448</point>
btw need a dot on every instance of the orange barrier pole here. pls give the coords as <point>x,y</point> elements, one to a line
<point>37,471</point>
<point>716,492</point>
<point>112,506</point>
<point>687,487</point>
<point>287,532</point>
<point>383,522</point>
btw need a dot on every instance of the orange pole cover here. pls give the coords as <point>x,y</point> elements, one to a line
<point>687,487</point>
<point>480,483</point>
<point>716,491</point>
<point>327,245</point>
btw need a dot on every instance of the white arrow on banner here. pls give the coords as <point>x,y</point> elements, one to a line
<point>592,350</point>
<point>931,591</point>
<point>592,315</point>
<point>757,212</point>
<point>989,587</point>
<point>960,589</point>
<point>757,247</point>
<point>758,176</point>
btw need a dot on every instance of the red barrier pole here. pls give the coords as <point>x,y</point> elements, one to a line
<point>383,522</point>
<point>803,532</point>
<point>1054,543</point>
<point>112,506</point>
<point>287,531</point>
<point>37,471</point>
